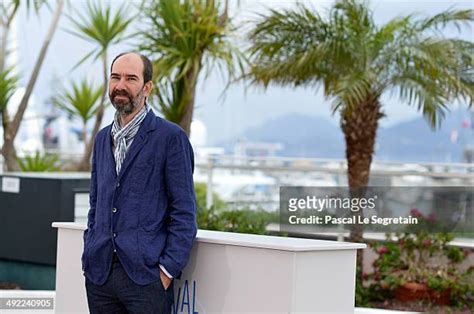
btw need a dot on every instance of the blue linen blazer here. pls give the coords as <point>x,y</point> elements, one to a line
<point>146,213</point>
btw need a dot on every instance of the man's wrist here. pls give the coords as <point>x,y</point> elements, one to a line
<point>166,272</point>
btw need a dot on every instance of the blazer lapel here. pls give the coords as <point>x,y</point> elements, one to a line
<point>110,151</point>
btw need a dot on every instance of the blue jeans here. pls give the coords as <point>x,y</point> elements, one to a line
<point>120,294</point>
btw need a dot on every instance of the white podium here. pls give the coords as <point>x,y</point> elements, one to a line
<point>236,273</point>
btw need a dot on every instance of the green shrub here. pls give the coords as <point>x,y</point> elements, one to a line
<point>39,163</point>
<point>220,218</point>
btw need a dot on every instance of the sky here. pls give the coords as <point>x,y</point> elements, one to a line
<point>224,117</point>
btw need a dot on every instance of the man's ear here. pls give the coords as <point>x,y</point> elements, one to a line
<point>148,88</point>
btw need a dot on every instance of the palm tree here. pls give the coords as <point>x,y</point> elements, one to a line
<point>80,101</point>
<point>11,127</point>
<point>357,61</point>
<point>183,37</point>
<point>103,28</point>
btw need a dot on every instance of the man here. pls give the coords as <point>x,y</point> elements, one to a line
<point>142,218</point>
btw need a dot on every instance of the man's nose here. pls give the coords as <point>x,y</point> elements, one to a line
<point>120,84</point>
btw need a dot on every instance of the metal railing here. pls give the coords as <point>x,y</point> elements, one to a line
<point>382,173</point>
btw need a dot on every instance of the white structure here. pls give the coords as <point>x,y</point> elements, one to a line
<point>198,134</point>
<point>236,273</point>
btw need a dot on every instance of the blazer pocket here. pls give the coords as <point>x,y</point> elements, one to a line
<point>87,247</point>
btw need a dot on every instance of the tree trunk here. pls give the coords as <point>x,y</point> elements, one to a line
<point>190,88</point>
<point>85,163</point>
<point>5,33</point>
<point>8,149</point>
<point>3,46</point>
<point>359,126</point>
<point>12,128</point>
<point>9,154</point>
<point>84,135</point>
<point>187,117</point>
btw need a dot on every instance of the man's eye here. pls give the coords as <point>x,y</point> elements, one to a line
<point>132,78</point>
<point>114,78</point>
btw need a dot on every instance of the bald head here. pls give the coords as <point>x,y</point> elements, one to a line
<point>147,67</point>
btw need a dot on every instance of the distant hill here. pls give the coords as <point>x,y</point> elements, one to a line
<point>309,136</point>
<point>414,140</point>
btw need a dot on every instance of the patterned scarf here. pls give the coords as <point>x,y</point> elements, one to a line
<point>123,136</point>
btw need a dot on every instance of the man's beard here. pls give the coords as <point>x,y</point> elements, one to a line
<point>126,107</point>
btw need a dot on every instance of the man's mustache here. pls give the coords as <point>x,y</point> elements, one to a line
<point>120,93</point>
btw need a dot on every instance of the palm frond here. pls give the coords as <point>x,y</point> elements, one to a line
<point>170,96</point>
<point>100,25</point>
<point>35,5</point>
<point>183,38</point>
<point>8,10</point>
<point>458,18</point>
<point>8,86</point>
<point>80,100</point>
<point>39,163</point>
